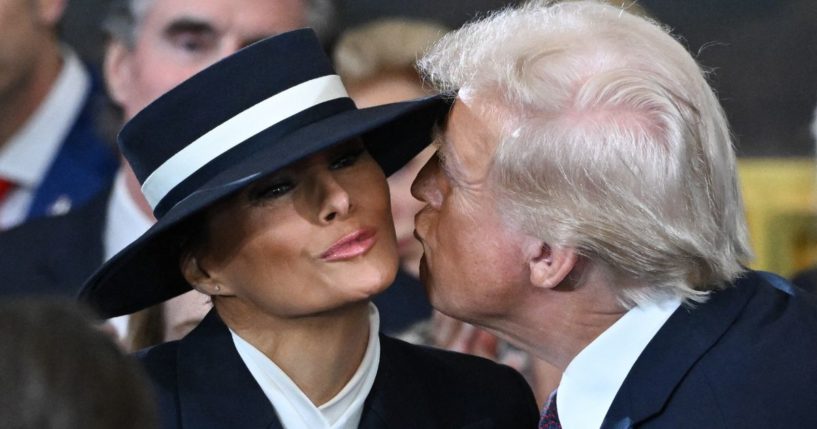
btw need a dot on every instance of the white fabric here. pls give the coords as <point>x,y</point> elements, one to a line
<point>237,129</point>
<point>294,409</point>
<point>26,157</point>
<point>124,223</point>
<point>592,379</point>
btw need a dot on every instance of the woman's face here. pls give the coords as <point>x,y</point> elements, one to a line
<point>309,238</point>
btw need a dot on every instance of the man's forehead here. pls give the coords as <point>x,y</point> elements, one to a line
<point>467,141</point>
<point>252,18</point>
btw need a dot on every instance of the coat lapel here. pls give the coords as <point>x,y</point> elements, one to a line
<point>397,400</point>
<point>686,336</point>
<point>215,388</point>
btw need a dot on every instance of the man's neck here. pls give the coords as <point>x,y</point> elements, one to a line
<point>22,98</point>
<point>319,353</point>
<point>556,325</point>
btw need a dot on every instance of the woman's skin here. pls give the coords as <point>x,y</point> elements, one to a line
<point>292,260</point>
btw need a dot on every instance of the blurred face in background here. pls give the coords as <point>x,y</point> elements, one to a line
<point>29,55</point>
<point>177,38</point>
<point>386,88</point>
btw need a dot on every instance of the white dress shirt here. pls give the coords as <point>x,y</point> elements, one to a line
<point>294,409</point>
<point>26,157</point>
<point>124,223</point>
<point>592,379</point>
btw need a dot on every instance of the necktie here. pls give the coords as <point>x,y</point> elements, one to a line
<point>5,187</point>
<point>550,416</point>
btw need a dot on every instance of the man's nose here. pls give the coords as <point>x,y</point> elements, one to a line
<point>425,187</point>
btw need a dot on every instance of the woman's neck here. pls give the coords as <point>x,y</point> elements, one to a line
<point>320,353</point>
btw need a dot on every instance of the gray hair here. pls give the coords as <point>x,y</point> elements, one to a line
<point>612,142</point>
<point>124,17</point>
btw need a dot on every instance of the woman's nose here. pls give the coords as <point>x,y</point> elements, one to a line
<point>335,202</point>
<point>425,187</point>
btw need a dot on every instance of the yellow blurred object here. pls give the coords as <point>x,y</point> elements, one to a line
<point>781,210</point>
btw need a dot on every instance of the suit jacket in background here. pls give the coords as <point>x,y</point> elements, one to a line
<point>54,255</point>
<point>202,383</point>
<point>84,164</point>
<point>747,358</point>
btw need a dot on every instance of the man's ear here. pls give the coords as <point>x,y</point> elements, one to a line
<point>198,277</point>
<point>550,265</point>
<point>118,71</point>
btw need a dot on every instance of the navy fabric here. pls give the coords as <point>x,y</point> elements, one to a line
<point>402,305</point>
<point>54,255</point>
<point>745,358</point>
<point>806,280</point>
<point>201,383</point>
<point>84,164</point>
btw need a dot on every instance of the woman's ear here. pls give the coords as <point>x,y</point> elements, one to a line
<point>550,265</point>
<point>198,277</point>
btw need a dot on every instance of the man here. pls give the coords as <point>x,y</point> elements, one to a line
<point>584,204</point>
<point>154,45</point>
<point>52,156</point>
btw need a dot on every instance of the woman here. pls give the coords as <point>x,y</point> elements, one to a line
<point>268,201</point>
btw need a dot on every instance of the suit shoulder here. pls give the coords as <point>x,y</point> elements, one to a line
<point>160,364</point>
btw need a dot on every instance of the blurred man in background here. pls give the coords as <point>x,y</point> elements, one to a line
<point>52,155</point>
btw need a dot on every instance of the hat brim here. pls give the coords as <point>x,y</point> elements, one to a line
<point>147,272</point>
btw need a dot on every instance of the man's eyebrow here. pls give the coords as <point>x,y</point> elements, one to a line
<point>188,25</point>
<point>448,160</point>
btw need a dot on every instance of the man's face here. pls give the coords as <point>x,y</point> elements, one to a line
<point>177,38</point>
<point>27,48</point>
<point>473,265</point>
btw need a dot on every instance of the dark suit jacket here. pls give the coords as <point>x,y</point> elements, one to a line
<point>745,358</point>
<point>806,280</point>
<point>84,164</point>
<point>202,383</point>
<point>54,255</point>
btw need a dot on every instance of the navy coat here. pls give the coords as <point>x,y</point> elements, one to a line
<point>54,255</point>
<point>85,162</point>
<point>745,358</point>
<point>202,383</point>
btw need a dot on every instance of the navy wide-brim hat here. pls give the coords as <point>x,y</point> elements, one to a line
<point>264,107</point>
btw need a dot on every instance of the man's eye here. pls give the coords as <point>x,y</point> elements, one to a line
<point>347,159</point>
<point>193,41</point>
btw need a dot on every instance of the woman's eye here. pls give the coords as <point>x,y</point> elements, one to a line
<point>273,190</point>
<point>347,158</point>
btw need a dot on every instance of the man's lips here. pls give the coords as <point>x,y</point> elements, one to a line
<point>352,245</point>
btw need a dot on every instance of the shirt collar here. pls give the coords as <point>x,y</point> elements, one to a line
<point>28,154</point>
<point>592,379</point>
<point>294,409</point>
<point>125,221</point>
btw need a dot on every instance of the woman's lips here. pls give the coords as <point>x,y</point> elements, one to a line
<point>350,246</point>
